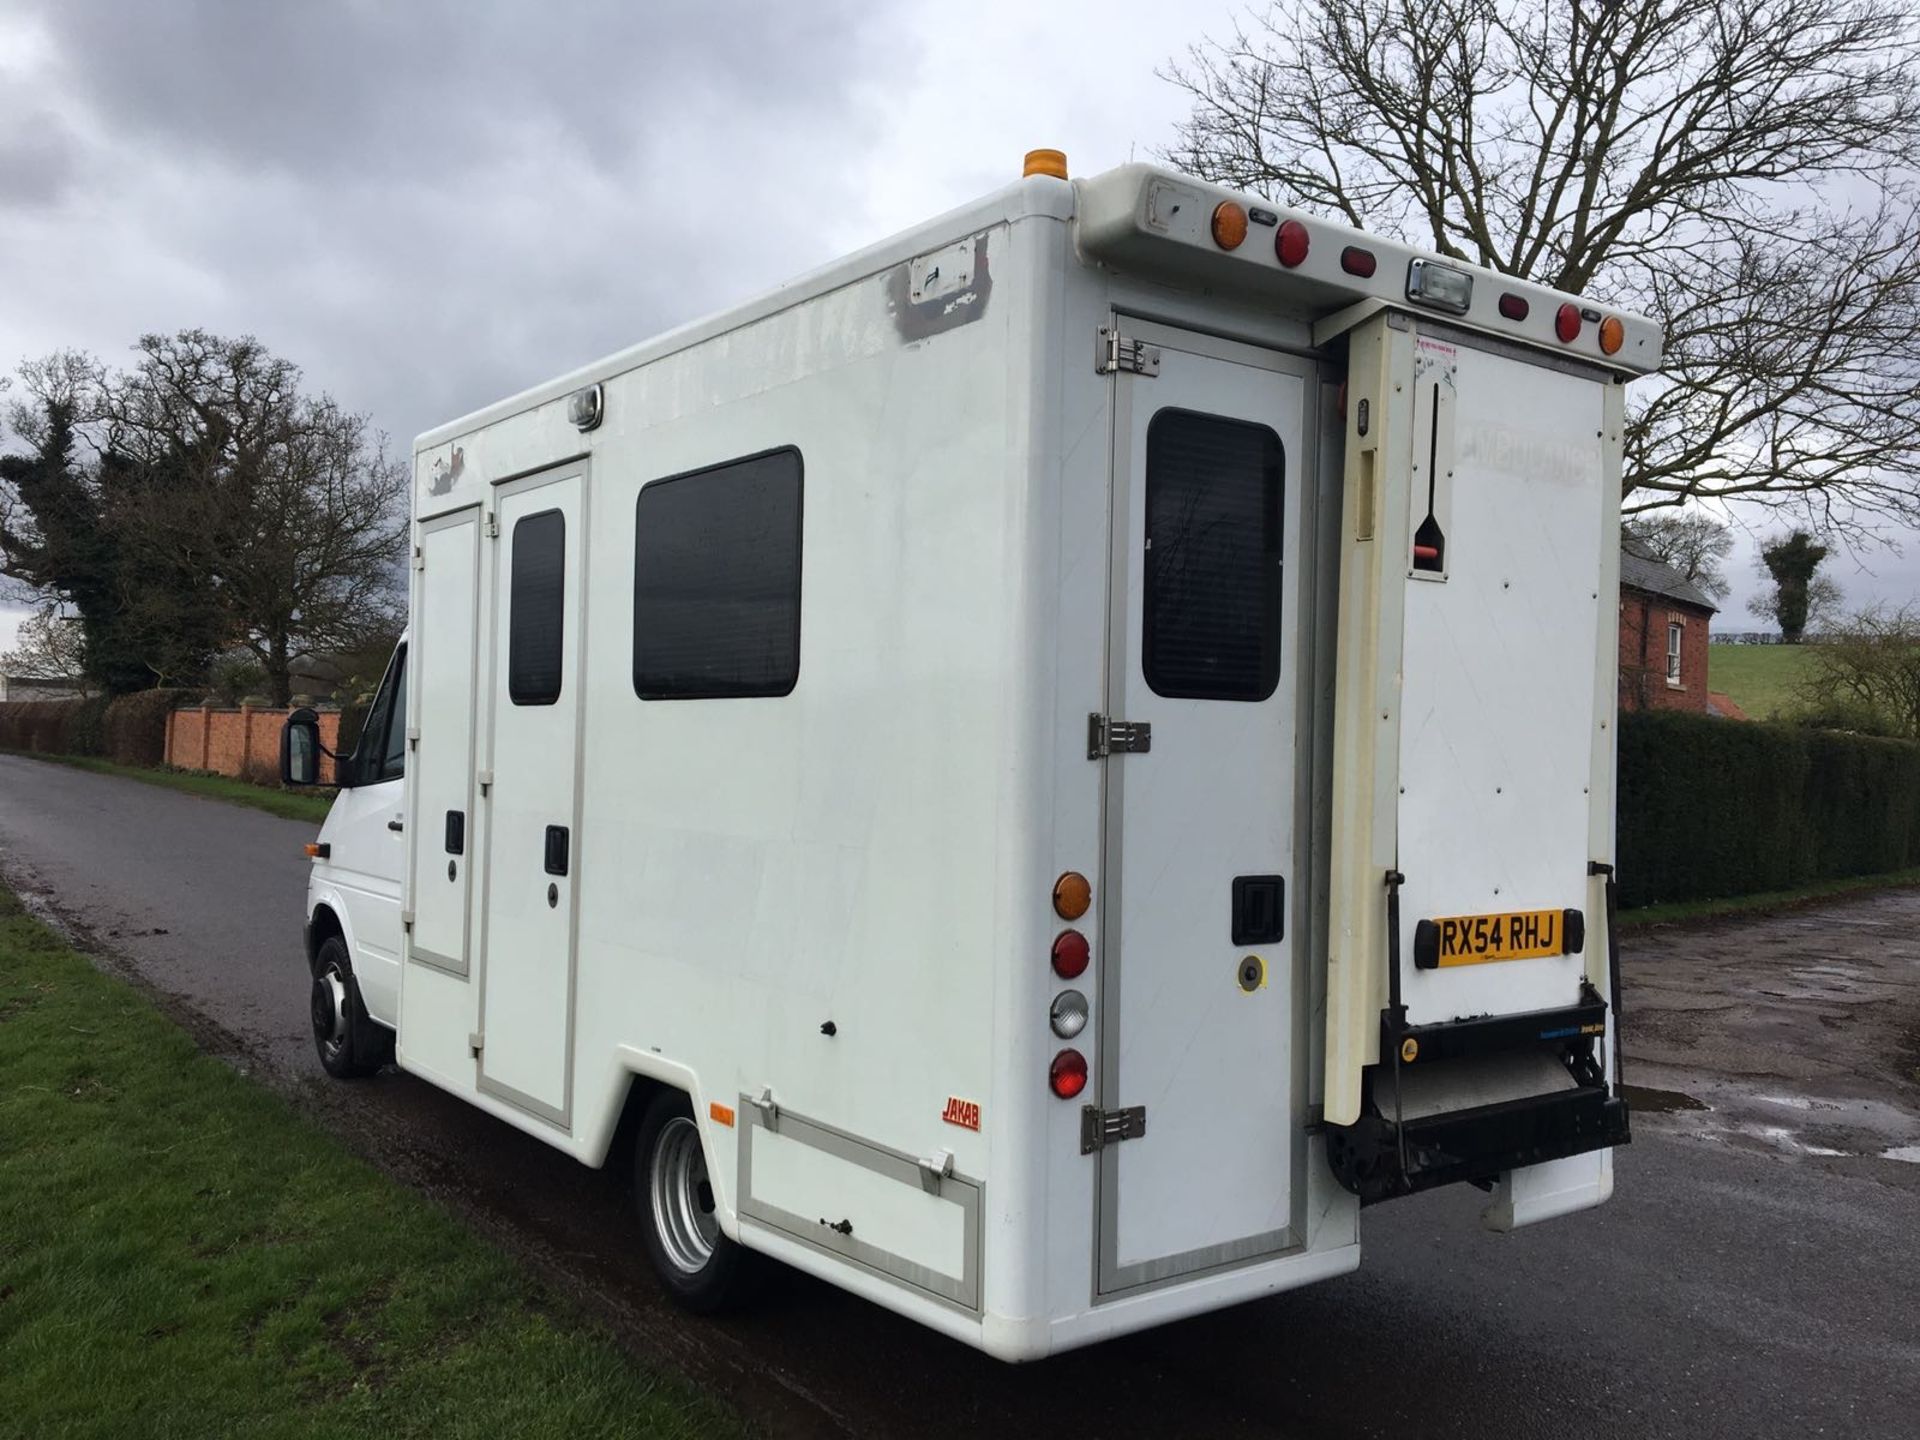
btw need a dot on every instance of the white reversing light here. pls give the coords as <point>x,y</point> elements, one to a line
<point>1440,286</point>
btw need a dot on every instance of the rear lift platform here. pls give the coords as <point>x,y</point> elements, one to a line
<point>1532,1084</point>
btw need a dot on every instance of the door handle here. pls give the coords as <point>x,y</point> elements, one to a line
<point>557,847</point>
<point>396,825</point>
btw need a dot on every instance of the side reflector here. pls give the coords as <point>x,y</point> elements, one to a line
<point>1071,895</point>
<point>1229,225</point>
<point>318,851</point>
<point>1290,243</point>
<point>723,1114</point>
<point>1068,1074</point>
<point>1514,307</point>
<point>1613,334</point>
<point>1356,261</point>
<point>1045,162</point>
<point>1070,954</point>
<point>1566,323</point>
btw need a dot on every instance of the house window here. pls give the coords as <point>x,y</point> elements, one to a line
<point>716,583</point>
<point>1675,630</point>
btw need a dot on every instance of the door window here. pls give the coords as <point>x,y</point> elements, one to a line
<point>381,751</point>
<point>1210,621</point>
<point>536,608</point>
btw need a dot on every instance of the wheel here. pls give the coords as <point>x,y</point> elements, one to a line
<point>702,1269</point>
<point>350,1044</point>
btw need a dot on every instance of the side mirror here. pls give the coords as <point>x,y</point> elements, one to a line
<point>300,749</point>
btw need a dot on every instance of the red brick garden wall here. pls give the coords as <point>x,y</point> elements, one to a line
<point>243,743</point>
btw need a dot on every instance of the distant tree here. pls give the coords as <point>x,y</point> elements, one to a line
<point>80,533</point>
<point>1866,673</point>
<point>1740,170</point>
<point>1799,595</point>
<point>48,646</point>
<point>1693,543</point>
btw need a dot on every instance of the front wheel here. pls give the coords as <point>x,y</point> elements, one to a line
<point>700,1266</point>
<point>350,1043</point>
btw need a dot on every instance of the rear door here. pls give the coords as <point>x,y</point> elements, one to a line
<point>533,801</point>
<point>1199,996</point>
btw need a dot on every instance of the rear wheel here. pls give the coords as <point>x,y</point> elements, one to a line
<point>679,1224</point>
<point>350,1044</point>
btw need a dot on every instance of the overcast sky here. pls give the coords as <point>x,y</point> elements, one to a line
<point>431,205</point>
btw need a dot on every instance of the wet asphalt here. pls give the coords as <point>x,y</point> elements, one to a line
<point>1755,1274</point>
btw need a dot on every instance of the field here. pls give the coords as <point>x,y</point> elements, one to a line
<point>1761,679</point>
<point>181,1254</point>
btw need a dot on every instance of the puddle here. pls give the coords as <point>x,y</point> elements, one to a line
<point>1646,1100</point>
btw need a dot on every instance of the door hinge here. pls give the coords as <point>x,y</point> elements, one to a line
<point>476,1042</point>
<point>419,558</point>
<point>1113,351</point>
<point>1101,1128</point>
<point>1117,737</point>
<point>406,919</point>
<point>493,527</point>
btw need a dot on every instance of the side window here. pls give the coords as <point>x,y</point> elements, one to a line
<point>1210,618</point>
<point>380,752</point>
<point>393,759</point>
<point>536,608</point>
<point>716,581</point>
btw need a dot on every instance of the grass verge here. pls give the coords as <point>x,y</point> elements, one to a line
<point>1768,900</point>
<point>183,1255</point>
<point>287,804</point>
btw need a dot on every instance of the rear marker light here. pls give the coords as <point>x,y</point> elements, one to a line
<point>1229,225</point>
<point>1356,261</point>
<point>1613,334</point>
<point>1071,895</point>
<point>1566,323</point>
<point>1070,954</point>
<point>1068,1074</point>
<point>1290,243</point>
<point>1514,307</point>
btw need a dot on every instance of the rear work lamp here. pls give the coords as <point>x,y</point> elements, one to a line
<point>1439,286</point>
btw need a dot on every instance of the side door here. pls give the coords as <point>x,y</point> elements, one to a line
<point>1201,1014</point>
<point>529,911</point>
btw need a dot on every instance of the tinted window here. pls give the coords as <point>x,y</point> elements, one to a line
<point>393,761</point>
<point>1211,616</point>
<point>716,581</point>
<point>377,754</point>
<point>536,598</point>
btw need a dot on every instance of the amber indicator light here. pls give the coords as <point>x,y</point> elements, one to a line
<point>1229,224</point>
<point>1071,895</point>
<point>1613,334</point>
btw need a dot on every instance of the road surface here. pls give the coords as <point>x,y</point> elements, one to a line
<point>1754,1276</point>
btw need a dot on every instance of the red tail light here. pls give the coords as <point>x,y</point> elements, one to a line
<point>1068,1074</point>
<point>1514,307</point>
<point>1355,261</point>
<point>1070,954</point>
<point>1290,243</point>
<point>1566,323</point>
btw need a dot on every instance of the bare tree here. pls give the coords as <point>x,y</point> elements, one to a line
<point>1693,543</point>
<point>49,645</point>
<point>286,504</point>
<point>1741,170</point>
<point>1867,673</point>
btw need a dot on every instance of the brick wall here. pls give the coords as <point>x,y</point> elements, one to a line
<point>1643,653</point>
<point>243,743</point>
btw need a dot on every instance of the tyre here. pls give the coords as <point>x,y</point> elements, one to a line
<point>350,1044</point>
<point>702,1269</point>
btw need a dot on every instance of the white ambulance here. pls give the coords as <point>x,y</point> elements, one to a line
<point>1031,773</point>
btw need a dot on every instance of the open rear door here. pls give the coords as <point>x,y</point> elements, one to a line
<point>1469,1012</point>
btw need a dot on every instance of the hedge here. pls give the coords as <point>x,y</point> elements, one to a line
<point>1710,808</point>
<point>131,729</point>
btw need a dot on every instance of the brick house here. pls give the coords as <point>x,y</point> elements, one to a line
<point>1663,637</point>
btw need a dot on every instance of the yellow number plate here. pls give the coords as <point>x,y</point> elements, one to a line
<point>1517,935</point>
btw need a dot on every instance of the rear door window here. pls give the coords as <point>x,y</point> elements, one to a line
<point>536,616</point>
<point>1211,596</point>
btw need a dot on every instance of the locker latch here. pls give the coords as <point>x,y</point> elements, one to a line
<point>1117,737</point>
<point>1101,1128</point>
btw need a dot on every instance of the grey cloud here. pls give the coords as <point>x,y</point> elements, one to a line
<point>38,159</point>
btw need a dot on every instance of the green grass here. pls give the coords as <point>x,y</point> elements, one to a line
<point>182,1255</point>
<point>1768,900</point>
<point>1761,679</point>
<point>309,805</point>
